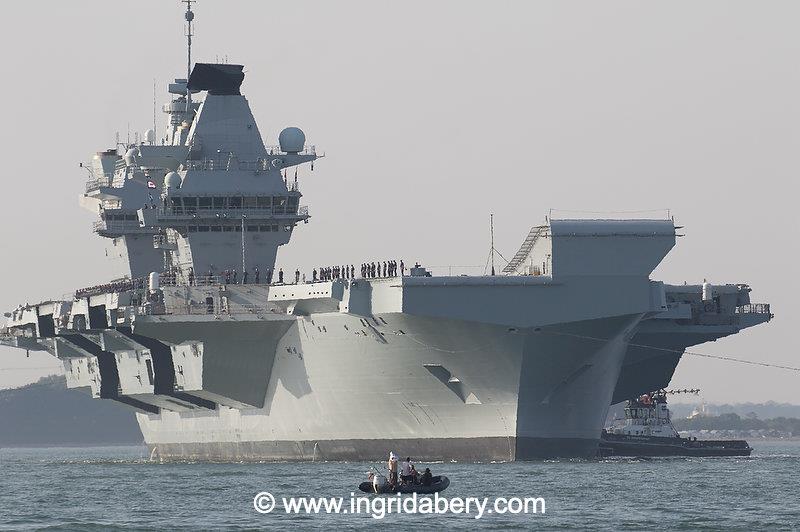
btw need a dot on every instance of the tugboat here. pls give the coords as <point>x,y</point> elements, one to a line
<point>648,431</point>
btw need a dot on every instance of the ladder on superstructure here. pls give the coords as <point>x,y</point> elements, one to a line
<point>525,249</point>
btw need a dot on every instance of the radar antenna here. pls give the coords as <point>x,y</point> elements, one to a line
<point>189,16</point>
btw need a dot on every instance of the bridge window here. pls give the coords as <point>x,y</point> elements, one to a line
<point>292,208</point>
<point>235,203</point>
<point>252,228</point>
<point>250,203</point>
<point>216,229</point>
<point>228,228</point>
<point>203,229</point>
<point>278,205</point>
<point>205,203</point>
<point>219,203</point>
<point>263,228</point>
<point>265,202</point>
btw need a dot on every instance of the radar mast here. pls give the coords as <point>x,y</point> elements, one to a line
<point>189,18</point>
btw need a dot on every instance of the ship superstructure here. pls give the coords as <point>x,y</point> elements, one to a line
<point>226,359</point>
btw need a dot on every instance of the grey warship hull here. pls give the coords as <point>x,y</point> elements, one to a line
<point>441,390</point>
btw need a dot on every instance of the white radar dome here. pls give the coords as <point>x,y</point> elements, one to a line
<point>172,181</point>
<point>130,156</point>
<point>150,136</point>
<point>292,140</point>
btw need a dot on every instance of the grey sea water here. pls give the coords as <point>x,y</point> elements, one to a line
<point>118,488</point>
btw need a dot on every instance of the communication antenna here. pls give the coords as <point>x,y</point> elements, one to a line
<point>154,105</point>
<point>189,16</point>
<point>491,233</point>
<point>492,249</point>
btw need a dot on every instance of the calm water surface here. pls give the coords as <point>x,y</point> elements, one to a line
<point>118,488</point>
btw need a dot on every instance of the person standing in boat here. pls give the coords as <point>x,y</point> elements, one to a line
<point>392,469</point>
<point>405,471</point>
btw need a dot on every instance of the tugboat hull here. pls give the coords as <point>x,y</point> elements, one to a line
<point>624,445</point>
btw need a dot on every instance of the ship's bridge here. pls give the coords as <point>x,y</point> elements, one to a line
<point>230,203</point>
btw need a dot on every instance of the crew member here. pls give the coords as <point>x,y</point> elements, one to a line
<point>405,471</point>
<point>426,478</point>
<point>392,469</point>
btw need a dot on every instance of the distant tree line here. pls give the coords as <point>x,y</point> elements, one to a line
<point>735,422</point>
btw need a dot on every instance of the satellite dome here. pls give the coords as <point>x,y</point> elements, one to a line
<point>150,136</point>
<point>130,156</point>
<point>292,140</point>
<point>172,181</point>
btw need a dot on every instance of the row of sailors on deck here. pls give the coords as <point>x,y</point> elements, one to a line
<point>368,270</point>
<point>326,273</point>
<point>373,270</point>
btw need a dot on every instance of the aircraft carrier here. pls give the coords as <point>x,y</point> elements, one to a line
<point>347,364</point>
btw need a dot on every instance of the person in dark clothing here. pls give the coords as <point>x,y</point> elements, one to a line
<point>384,269</point>
<point>314,275</point>
<point>257,275</point>
<point>227,277</point>
<point>280,276</point>
<point>191,276</point>
<point>244,277</point>
<point>402,269</point>
<point>269,275</point>
<point>427,478</point>
<point>297,277</point>
<point>233,276</point>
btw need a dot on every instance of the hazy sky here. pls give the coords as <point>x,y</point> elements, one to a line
<point>433,115</point>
